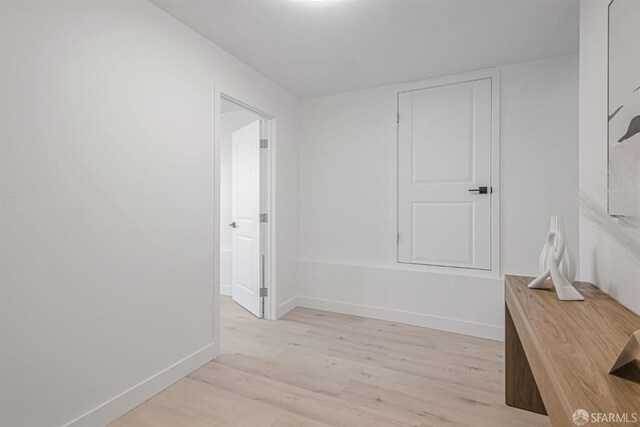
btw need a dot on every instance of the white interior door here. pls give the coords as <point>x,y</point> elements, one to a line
<point>444,154</point>
<point>245,199</point>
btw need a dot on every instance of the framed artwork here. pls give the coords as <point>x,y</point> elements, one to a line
<point>624,108</point>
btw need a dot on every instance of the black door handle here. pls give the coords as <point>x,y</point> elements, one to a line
<point>481,190</point>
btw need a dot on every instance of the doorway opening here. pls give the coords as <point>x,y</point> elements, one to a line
<point>245,200</point>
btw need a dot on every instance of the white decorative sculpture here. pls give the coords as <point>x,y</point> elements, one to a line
<point>568,264</point>
<point>629,354</point>
<point>553,253</point>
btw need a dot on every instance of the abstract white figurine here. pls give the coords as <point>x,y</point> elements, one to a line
<point>568,265</point>
<point>555,250</point>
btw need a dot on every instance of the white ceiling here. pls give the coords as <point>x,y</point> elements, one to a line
<point>315,48</point>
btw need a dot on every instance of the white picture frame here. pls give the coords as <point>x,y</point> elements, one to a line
<point>623,145</point>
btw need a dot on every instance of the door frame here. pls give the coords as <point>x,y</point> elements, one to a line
<point>494,75</point>
<point>267,197</point>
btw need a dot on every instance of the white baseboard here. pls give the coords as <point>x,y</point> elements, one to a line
<point>286,307</point>
<point>225,290</point>
<point>406,317</point>
<point>129,399</point>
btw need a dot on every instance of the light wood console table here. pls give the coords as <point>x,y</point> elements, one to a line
<point>558,353</point>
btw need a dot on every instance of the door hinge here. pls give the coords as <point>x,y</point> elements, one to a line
<point>264,143</point>
<point>398,117</point>
<point>264,292</point>
<point>264,217</point>
<point>397,238</point>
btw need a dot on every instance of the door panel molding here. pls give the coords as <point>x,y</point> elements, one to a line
<point>433,225</point>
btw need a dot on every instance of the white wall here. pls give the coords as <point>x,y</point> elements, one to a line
<point>609,248</point>
<point>538,158</point>
<point>107,200</point>
<point>229,123</point>
<point>347,167</point>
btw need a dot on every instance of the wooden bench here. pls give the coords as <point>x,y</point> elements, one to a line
<point>558,354</point>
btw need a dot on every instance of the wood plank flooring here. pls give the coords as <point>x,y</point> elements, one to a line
<point>314,368</point>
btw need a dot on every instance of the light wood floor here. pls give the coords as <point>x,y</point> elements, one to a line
<point>314,368</point>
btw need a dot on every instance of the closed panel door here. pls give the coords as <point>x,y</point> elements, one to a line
<point>245,198</point>
<point>444,161</point>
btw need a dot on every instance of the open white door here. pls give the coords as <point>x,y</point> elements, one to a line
<point>444,175</point>
<point>245,198</point>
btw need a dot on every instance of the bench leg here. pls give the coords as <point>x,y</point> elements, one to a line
<point>521,390</point>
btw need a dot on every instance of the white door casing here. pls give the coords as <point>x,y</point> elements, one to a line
<point>445,150</point>
<point>245,197</point>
